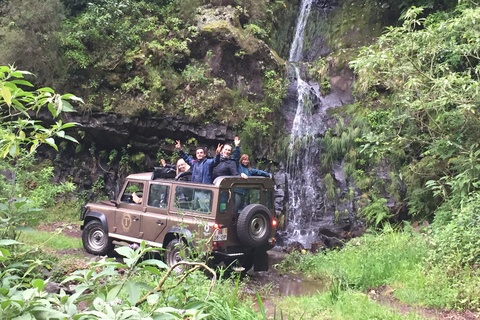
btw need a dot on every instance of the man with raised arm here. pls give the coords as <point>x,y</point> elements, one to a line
<point>224,164</point>
<point>201,167</point>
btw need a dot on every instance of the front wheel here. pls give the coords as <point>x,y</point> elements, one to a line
<point>95,239</point>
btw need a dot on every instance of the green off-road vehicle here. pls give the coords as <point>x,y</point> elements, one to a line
<point>231,220</point>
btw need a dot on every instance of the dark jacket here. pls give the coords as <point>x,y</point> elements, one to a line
<point>224,167</point>
<point>242,169</point>
<point>201,170</point>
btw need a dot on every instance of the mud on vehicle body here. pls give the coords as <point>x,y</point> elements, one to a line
<point>233,219</point>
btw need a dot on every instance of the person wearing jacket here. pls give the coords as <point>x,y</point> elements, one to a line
<point>181,166</point>
<point>245,170</point>
<point>201,167</point>
<point>224,164</point>
<point>243,163</point>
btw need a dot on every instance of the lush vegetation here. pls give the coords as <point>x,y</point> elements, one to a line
<point>138,288</point>
<point>403,264</point>
<point>411,137</point>
<point>137,56</point>
<point>416,114</point>
<point>412,134</point>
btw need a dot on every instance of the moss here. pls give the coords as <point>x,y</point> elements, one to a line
<point>352,25</point>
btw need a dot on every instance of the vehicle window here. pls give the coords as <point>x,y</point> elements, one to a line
<point>245,196</point>
<point>223,201</point>
<point>133,193</point>
<point>193,199</point>
<point>269,200</point>
<point>158,196</point>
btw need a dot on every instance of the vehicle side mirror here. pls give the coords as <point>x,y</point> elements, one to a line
<point>113,198</point>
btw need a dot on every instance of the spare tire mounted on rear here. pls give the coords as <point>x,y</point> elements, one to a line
<point>254,225</point>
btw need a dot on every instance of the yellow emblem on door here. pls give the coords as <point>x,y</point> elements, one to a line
<point>126,221</point>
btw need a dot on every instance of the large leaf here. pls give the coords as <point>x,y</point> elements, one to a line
<point>51,142</point>
<point>67,137</point>
<point>67,107</point>
<point>154,262</point>
<point>46,89</point>
<point>6,95</point>
<point>22,82</point>
<point>133,290</point>
<point>8,242</point>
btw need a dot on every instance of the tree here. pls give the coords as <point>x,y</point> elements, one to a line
<point>21,135</point>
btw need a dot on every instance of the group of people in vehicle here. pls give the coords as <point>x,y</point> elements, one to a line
<point>206,170</point>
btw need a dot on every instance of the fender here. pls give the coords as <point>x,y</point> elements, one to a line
<point>173,233</point>
<point>179,230</point>
<point>96,215</point>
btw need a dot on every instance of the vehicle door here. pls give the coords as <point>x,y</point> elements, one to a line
<point>154,219</point>
<point>129,211</point>
<point>193,208</point>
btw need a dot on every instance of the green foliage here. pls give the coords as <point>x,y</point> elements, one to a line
<point>18,130</point>
<point>456,232</point>
<point>417,96</point>
<point>328,181</point>
<point>376,212</point>
<point>120,296</point>
<point>28,31</point>
<point>14,215</point>
<point>365,262</point>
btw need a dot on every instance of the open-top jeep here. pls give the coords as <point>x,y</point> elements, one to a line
<point>232,219</point>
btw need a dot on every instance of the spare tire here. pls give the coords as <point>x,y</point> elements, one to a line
<point>254,225</point>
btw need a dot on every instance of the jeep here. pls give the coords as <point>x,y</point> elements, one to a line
<point>234,217</point>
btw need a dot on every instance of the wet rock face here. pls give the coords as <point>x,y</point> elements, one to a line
<point>109,131</point>
<point>146,133</point>
<point>232,53</point>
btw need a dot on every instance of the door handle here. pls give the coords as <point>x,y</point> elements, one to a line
<point>135,219</point>
<point>160,223</point>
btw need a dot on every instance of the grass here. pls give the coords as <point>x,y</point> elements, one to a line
<point>349,304</point>
<point>397,259</point>
<point>365,262</point>
<point>49,240</point>
<point>66,211</point>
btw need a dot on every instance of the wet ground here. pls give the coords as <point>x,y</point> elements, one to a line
<point>282,284</point>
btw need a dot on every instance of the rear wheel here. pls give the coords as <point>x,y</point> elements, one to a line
<point>176,251</point>
<point>95,239</point>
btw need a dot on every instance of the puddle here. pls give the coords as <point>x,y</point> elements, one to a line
<point>299,287</point>
<point>283,285</point>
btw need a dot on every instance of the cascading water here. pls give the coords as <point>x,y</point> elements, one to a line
<point>304,197</point>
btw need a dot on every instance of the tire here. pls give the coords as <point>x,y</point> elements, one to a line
<point>254,225</point>
<point>96,240</point>
<point>175,252</point>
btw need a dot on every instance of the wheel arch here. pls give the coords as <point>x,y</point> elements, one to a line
<point>177,233</point>
<point>94,215</point>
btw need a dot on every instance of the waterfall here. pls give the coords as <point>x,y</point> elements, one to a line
<point>297,44</point>
<point>302,163</point>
